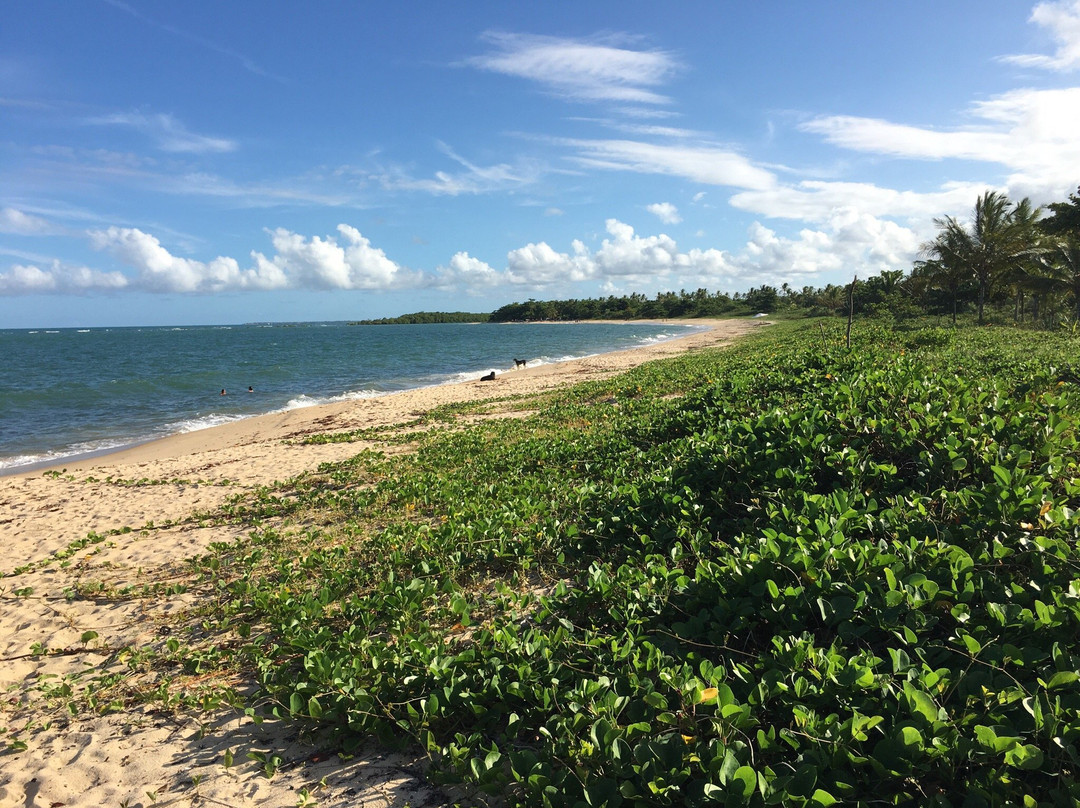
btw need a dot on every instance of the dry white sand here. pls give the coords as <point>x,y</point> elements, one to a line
<point>145,756</point>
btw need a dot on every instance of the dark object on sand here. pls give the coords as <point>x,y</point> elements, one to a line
<point>490,377</point>
<point>520,363</point>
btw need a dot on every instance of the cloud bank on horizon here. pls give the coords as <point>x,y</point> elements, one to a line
<point>549,165</point>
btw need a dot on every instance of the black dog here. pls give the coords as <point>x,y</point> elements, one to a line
<point>520,363</point>
<point>490,377</point>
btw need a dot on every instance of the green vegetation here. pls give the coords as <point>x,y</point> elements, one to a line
<point>426,317</point>
<point>783,573</point>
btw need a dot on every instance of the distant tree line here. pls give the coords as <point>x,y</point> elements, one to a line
<point>873,294</point>
<point>700,303</point>
<point>426,317</point>
<point>1012,259</point>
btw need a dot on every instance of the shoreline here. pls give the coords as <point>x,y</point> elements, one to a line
<point>124,520</point>
<point>78,458</point>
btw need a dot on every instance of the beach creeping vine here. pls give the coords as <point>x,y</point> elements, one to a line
<point>787,572</point>
<point>778,574</point>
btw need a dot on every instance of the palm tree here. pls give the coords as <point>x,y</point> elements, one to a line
<point>946,276</point>
<point>1060,265</point>
<point>1000,237</point>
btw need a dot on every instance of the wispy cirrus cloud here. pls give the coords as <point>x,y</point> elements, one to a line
<point>53,167</point>
<point>167,132</point>
<point>470,178</point>
<point>705,163</point>
<point>816,201</point>
<point>247,62</point>
<point>602,68</point>
<point>1063,22</point>
<point>253,194</point>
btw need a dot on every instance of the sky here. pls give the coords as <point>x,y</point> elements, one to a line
<point>202,162</point>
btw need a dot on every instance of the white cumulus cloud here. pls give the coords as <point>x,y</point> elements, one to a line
<point>158,270</point>
<point>539,265</point>
<point>468,273</point>
<point>23,279</point>
<point>318,263</point>
<point>665,212</point>
<point>635,257</point>
<point>847,240</point>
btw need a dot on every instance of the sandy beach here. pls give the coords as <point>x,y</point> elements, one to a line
<point>122,519</point>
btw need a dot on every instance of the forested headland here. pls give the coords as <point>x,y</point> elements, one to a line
<point>426,317</point>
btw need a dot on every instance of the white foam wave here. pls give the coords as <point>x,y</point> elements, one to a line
<point>304,400</point>
<point>87,449</point>
<point>201,422</point>
<point>26,462</point>
<point>653,340</point>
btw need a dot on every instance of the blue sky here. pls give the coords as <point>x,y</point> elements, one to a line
<point>209,162</point>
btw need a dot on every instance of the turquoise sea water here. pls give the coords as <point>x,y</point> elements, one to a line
<point>68,392</point>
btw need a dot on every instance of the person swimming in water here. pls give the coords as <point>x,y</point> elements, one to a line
<point>222,391</point>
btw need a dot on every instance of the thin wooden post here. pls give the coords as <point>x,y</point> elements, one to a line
<point>851,308</point>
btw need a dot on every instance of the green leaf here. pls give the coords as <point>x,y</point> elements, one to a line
<point>1061,679</point>
<point>823,798</point>
<point>921,703</point>
<point>713,792</point>
<point>1025,756</point>
<point>986,736</point>
<point>911,737</point>
<point>315,709</point>
<point>728,767</point>
<point>744,781</point>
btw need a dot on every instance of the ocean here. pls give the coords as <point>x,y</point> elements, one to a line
<point>68,392</point>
